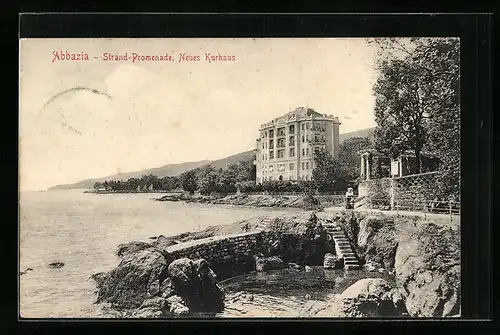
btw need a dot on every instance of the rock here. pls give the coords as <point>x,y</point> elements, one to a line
<point>294,266</point>
<point>56,265</point>
<point>166,288</point>
<point>147,313</point>
<point>269,263</point>
<point>372,297</point>
<point>127,249</point>
<point>156,302</point>
<point>307,268</point>
<point>136,278</point>
<point>331,261</point>
<point>25,271</point>
<point>177,306</point>
<point>308,296</point>
<point>428,267</point>
<point>196,284</point>
<point>371,266</point>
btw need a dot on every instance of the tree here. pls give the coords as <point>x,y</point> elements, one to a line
<point>349,159</point>
<point>326,173</point>
<point>188,181</point>
<point>417,86</point>
<point>207,180</point>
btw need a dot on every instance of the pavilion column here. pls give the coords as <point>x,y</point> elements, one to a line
<point>363,167</point>
<point>367,167</point>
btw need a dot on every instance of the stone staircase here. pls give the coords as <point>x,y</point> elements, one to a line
<point>263,223</point>
<point>342,246</point>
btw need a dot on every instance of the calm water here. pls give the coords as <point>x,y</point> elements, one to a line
<point>83,231</point>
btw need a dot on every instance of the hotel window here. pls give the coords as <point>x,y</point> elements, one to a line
<point>307,125</point>
<point>292,152</point>
<point>303,126</point>
<point>307,151</point>
<point>271,144</point>
<point>307,138</point>
<point>291,129</point>
<point>265,157</point>
<point>281,153</point>
<point>307,165</point>
<point>291,166</point>
<point>271,133</point>
<point>271,168</point>
<point>281,143</point>
<point>271,154</point>
<point>303,139</point>
<point>292,141</point>
<point>303,166</point>
<point>281,131</point>
<point>270,178</point>
<point>281,167</point>
<point>303,152</point>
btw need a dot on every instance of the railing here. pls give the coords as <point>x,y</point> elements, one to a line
<point>281,145</point>
<point>316,140</point>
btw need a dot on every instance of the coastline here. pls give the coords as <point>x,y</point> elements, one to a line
<point>298,244</point>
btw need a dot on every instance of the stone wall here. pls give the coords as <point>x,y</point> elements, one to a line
<point>227,255</point>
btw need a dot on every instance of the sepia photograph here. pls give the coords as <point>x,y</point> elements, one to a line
<point>167,178</point>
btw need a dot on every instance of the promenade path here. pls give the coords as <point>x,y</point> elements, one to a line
<point>438,218</point>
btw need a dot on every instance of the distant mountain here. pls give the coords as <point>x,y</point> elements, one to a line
<point>177,169</point>
<point>160,172</point>
<point>166,170</point>
<point>368,132</point>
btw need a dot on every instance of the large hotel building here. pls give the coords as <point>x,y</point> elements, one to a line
<point>285,149</point>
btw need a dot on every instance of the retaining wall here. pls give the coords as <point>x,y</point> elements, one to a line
<point>227,255</point>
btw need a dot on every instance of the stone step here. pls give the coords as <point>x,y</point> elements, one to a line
<point>348,255</point>
<point>351,263</point>
<point>351,267</point>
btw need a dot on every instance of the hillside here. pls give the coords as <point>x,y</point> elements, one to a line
<point>177,169</point>
<point>368,132</point>
<point>166,170</point>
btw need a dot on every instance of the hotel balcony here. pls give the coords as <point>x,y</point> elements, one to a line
<point>281,145</point>
<point>316,141</point>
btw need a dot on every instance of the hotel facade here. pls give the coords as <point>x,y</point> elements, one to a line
<point>286,146</point>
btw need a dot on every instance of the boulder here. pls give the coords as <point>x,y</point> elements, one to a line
<point>56,265</point>
<point>331,261</point>
<point>372,297</point>
<point>136,278</point>
<point>196,284</point>
<point>269,263</point>
<point>428,267</point>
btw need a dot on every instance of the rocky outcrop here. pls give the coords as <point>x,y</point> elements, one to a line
<point>196,284</point>
<point>376,242</point>
<point>136,278</point>
<point>372,297</point>
<point>299,239</point>
<point>304,202</point>
<point>428,267</point>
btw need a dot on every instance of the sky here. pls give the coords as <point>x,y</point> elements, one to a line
<point>127,116</point>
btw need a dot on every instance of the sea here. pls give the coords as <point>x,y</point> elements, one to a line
<point>83,230</point>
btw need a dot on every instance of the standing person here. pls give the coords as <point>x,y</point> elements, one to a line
<point>349,197</point>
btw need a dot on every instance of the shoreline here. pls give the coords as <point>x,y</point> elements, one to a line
<point>296,243</point>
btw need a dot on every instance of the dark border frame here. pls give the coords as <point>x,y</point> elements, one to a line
<point>474,31</point>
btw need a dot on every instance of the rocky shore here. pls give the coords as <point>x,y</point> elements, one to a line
<point>293,201</point>
<point>422,257</point>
